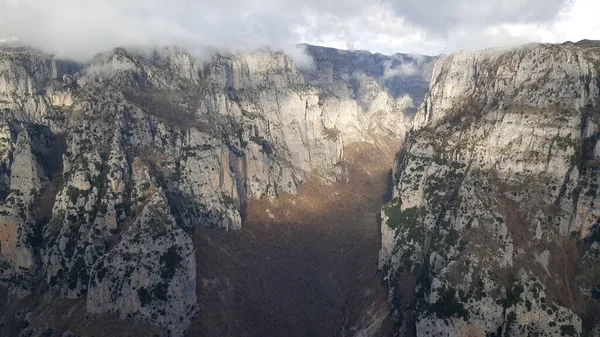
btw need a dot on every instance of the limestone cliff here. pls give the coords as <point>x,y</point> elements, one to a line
<point>108,167</point>
<point>493,229</point>
<point>405,77</point>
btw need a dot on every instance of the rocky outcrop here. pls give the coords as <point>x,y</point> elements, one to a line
<point>108,167</point>
<point>28,84</point>
<point>493,225</point>
<point>24,169</point>
<point>129,282</point>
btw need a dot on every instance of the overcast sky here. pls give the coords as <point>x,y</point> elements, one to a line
<point>82,28</point>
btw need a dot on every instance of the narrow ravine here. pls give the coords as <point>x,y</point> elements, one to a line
<point>303,265</point>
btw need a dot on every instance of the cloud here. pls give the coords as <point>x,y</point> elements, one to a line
<point>404,69</point>
<point>81,28</point>
<point>299,55</point>
<point>579,22</point>
<point>442,16</point>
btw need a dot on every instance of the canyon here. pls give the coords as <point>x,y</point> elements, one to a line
<point>149,192</point>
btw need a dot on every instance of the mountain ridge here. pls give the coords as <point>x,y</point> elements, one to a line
<point>145,149</point>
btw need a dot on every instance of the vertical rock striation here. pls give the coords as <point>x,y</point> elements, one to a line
<point>493,225</point>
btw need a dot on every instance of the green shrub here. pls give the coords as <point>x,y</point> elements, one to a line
<point>144,296</point>
<point>568,330</point>
<point>74,193</point>
<point>103,208</point>
<point>448,305</point>
<point>159,291</point>
<point>511,318</point>
<point>513,295</point>
<point>404,219</point>
<point>169,262</point>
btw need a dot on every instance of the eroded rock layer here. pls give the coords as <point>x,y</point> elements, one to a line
<point>493,229</point>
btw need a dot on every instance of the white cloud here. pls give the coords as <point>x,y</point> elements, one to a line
<point>82,28</point>
<point>578,22</point>
<point>404,69</point>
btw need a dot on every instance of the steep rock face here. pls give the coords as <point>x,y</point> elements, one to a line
<point>127,282</point>
<point>493,225</point>
<point>25,167</point>
<point>108,168</point>
<point>26,83</point>
<point>377,82</point>
<point>399,74</point>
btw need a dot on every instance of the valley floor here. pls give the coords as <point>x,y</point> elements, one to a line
<point>305,264</point>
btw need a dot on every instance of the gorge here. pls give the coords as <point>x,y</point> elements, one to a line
<point>149,192</point>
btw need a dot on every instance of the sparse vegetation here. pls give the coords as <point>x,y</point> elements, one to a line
<point>169,262</point>
<point>448,305</point>
<point>229,202</point>
<point>568,330</point>
<point>75,193</point>
<point>511,319</point>
<point>465,111</point>
<point>404,219</point>
<point>331,134</point>
<point>167,106</point>
<point>159,291</point>
<point>144,296</point>
<point>78,273</point>
<point>103,208</point>
<point>513,295</point>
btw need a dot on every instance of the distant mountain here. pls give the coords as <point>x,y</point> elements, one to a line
<point>398,74</point>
